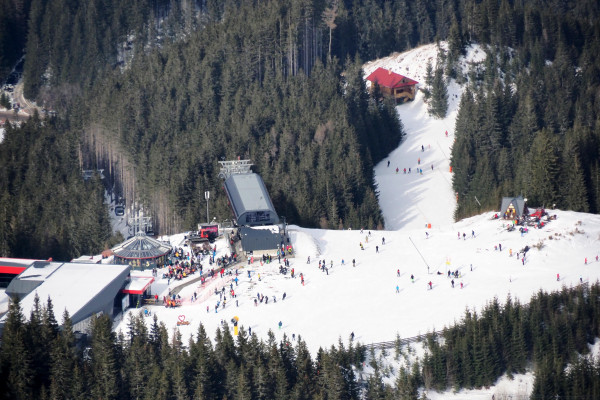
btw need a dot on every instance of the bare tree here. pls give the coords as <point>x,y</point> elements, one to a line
<point>329,15</point>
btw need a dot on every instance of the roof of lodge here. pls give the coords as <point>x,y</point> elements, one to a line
<point>137,284</point>
<point>141,247</point>
<point>14,266</point>
<point>71,286</point>
<point>518,203</point>
<point>256,239</point>
<point>247,192</point>
<point>387,78</point>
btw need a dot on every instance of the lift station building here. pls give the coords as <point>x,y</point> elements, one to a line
<point>249,200</point>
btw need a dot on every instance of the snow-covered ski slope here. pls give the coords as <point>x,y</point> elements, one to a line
<point>414,200</point>
<point>363,299</point>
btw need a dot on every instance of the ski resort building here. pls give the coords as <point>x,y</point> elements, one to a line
<point>393,85</point>
<point>249,200</point>
<point>513,207</point>
<point>141,252</point>
<point>265,240</point>
<point>83,289</point>
<point>11,267</point>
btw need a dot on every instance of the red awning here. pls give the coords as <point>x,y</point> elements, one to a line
<point>11,270</point>
<point>138,284</point>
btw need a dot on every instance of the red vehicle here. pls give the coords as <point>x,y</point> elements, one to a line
<point>538,213</point>
<point>209,232</point>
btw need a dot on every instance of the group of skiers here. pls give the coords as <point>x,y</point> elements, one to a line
<point>419,169</point>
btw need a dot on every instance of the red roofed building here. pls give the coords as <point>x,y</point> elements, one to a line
<point>394,85</point>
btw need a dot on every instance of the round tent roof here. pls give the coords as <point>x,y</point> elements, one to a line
<point>141,247</point>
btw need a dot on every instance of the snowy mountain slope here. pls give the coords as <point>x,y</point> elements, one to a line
<point>363,299</point>
<point>414,200</point>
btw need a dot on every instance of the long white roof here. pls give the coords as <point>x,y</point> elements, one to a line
<point>70,285</point>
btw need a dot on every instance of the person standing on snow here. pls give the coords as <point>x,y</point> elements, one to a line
<point>397,289</point>
<point>280,325</point>
<point>430,285</point>
<point>557,277</point>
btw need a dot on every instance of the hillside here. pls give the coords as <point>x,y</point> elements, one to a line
<point>428,198</point>
<point>363,299</point>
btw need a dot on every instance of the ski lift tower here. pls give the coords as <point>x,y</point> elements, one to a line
<point>139,224</point>
<point>229,168</point>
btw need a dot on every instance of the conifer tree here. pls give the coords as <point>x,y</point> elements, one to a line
<point>438,106</point>
<point>63,359</point>
<point>16,367</point>
<point>104,363</point>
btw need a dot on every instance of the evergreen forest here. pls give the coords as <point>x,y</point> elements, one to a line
<point>40,359</point>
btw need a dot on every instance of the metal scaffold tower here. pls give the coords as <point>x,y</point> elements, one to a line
<point>139,224</point>
<point>229,168</point>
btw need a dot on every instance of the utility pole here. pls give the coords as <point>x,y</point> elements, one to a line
<point>207,196</point>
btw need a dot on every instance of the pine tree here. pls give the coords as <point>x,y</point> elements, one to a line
<point>438,106</point>
<point>573,185</point>
<point>16,367</point>
<point>206,371</point>
<point>104,363</point>
<point>63,359</point>
<point>544,170</point>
